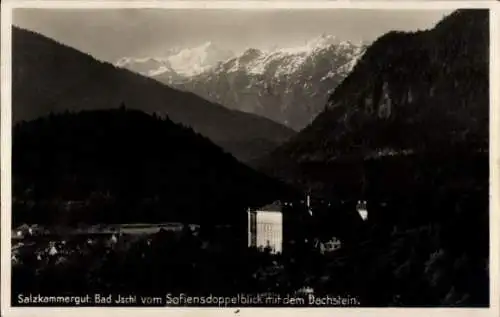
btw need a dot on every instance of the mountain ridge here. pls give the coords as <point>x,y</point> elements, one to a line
<point>407,86</point>
<point>58,77</point>
<point>287,85</point>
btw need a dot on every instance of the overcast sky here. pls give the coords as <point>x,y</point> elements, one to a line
<point>109,34</point>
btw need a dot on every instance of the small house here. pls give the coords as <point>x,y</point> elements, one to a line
<point>362,210</point>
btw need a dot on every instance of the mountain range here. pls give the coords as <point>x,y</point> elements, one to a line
<point>408,131</point>
<point>51,77</point>
<point>410,93</point>
<point>287,85</point>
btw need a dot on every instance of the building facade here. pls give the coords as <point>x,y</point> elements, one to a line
<point>265,228</point>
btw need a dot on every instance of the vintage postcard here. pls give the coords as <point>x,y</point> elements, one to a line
<point>224,157</point>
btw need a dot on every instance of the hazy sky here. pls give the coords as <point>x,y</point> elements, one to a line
<point>109,34</point>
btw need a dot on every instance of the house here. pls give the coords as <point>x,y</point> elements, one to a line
<point>306,290</point>
<point>194,227</point>
<point>36,230</point>
<point>328,246</point>
<point>113,240</point>
<point>265,227</point>
<point>17,234</point>
<point>362,210</point>
<point>21,231</point>
<point>53,250</point>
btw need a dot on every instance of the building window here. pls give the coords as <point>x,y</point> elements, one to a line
<point>267,227</point>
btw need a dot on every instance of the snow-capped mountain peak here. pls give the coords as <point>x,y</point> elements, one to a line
<point>193,61</point>
<point>287,84</point>
<point>184,62</point>
<point>288,60</point>
<point>317,43</point>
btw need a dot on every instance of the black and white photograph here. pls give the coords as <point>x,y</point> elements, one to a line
<point>238,158</point>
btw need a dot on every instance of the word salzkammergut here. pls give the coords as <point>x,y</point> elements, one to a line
<point>39,299</point>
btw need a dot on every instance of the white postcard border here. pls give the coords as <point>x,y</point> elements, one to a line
<point>6,124</point>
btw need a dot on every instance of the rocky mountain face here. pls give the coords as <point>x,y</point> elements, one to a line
<point>289,85</point>
<point>409,93</point>
<point>50,77</point>
<point>407,131</point>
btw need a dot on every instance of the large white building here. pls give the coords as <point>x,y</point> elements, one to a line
<point>265,228</point>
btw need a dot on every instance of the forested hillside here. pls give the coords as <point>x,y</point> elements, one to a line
<point>50,77</point>
<point>122,165</point>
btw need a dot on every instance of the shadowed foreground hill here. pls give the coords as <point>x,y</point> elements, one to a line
<point>50,77</point>
<point>123,165</point>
